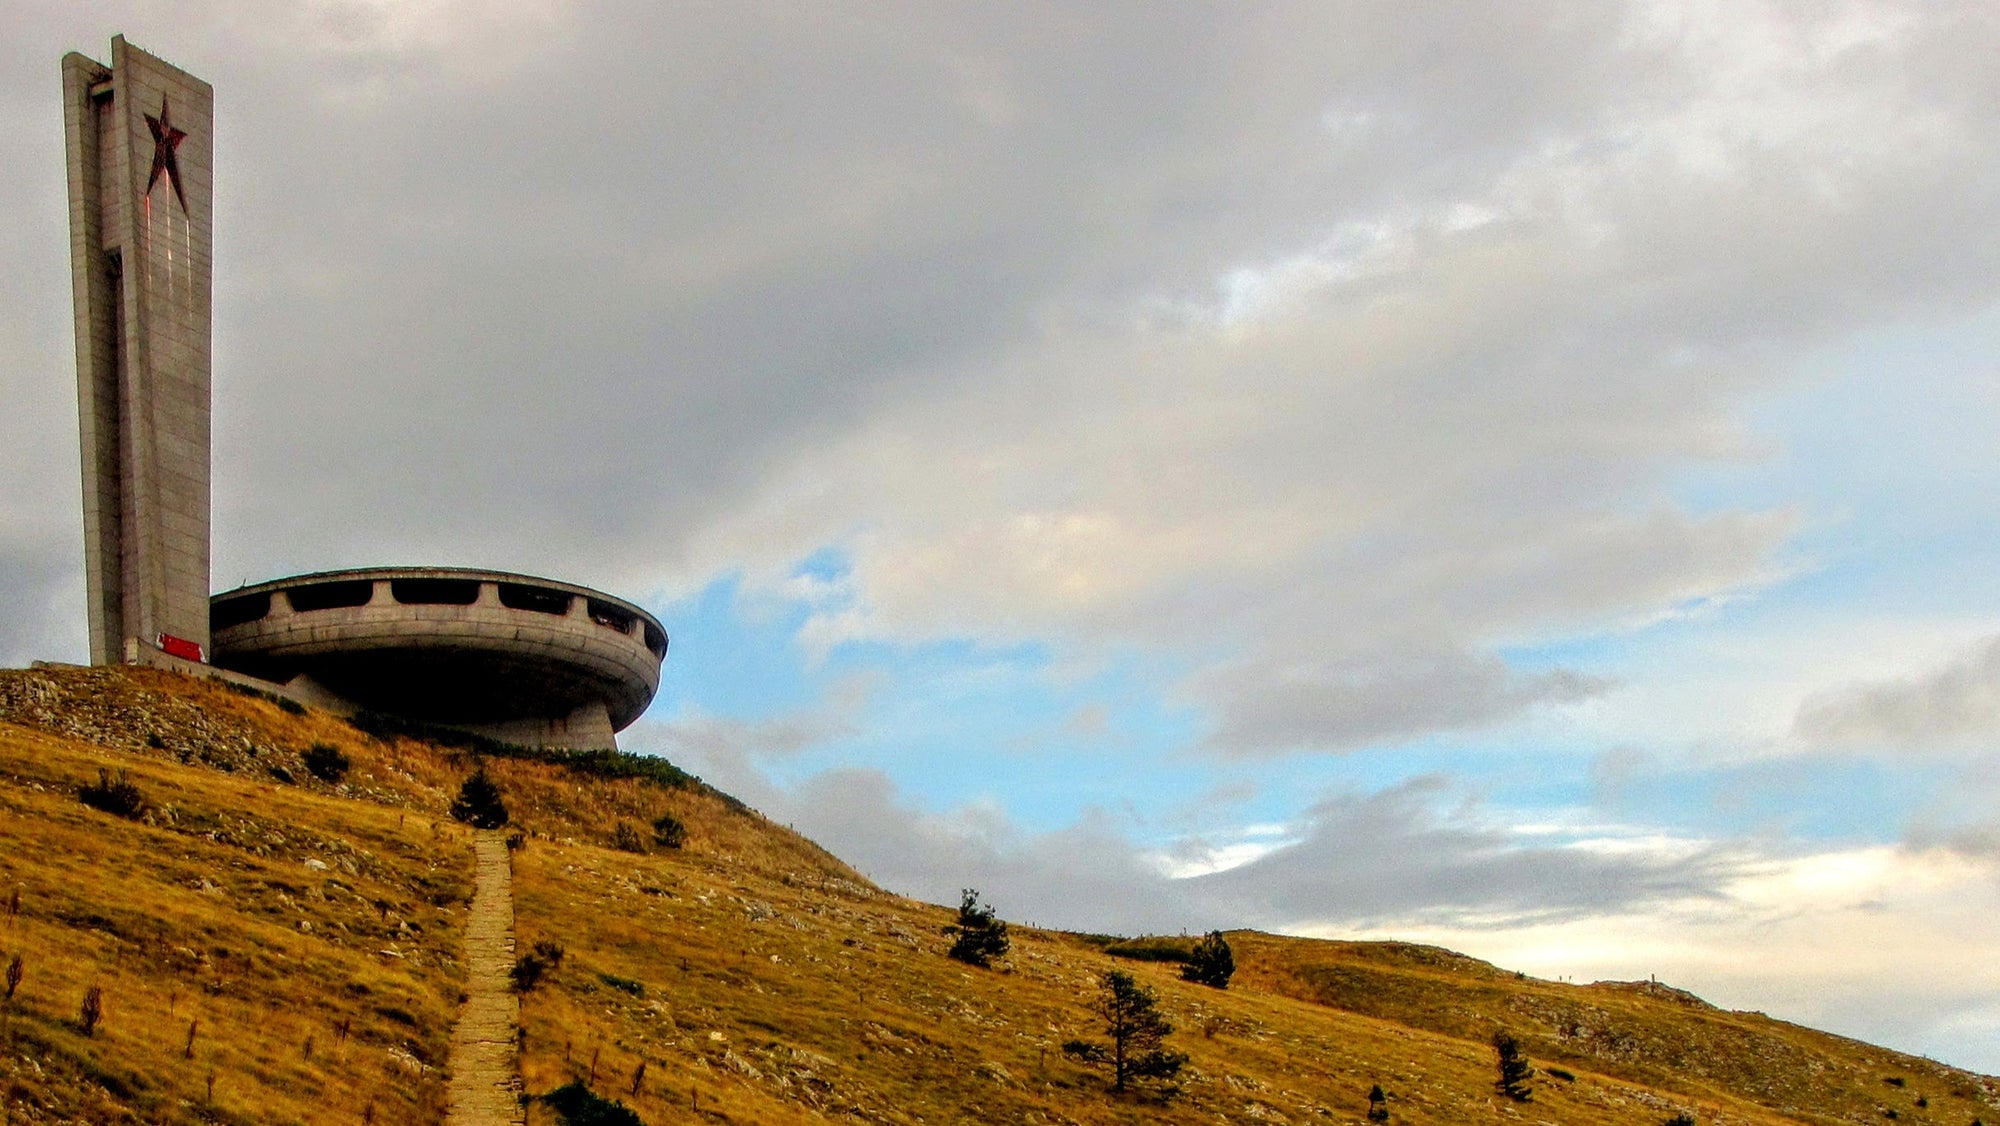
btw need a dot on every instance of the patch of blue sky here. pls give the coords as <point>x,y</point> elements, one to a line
<point>950,720</point>
<point>1886,443</point>
<point>1535,772</point>
<point>724,661</point>
<point>1819,799</point>
<point>955,723</point>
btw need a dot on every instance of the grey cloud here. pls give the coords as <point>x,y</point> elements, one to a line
<point>1342,705</point>
<point>1392,858</point>
<point>1953,704</point>
<point>1085,876</point>
<point>1413,853</point>
<point>637,294</point>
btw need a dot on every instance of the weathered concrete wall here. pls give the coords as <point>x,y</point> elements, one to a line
<point>140,263</point>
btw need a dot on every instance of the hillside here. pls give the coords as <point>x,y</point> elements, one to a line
<point>311,933</point>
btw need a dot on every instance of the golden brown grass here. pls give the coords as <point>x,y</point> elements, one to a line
<point>310,943</point>
<point>770,996</point>
<point>757,978</point>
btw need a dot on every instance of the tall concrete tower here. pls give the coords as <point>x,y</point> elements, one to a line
<point>140,187</point>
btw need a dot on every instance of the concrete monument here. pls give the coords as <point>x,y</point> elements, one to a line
<point>140,152</point>
<point>511,657</point>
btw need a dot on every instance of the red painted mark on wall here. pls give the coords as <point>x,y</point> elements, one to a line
<point>181,647</point>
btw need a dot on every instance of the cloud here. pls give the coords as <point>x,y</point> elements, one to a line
<point>1414,853</point>
<point>1951,705</point>
<point>1883,943</point>
<point>1382,698</point>
<point>1395,856</point>
<point>1336,349</point>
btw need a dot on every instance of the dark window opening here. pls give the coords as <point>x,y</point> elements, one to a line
<point>236,611</point>
<point>541,600</point>
<point>610,617</point>
<point>435,592</point>
<point>331,596</point>
<point>656,641</point>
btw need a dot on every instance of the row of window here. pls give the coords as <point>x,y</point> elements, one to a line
<point>342,593</point>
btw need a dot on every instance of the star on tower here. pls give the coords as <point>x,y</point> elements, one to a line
<point>166,139</point>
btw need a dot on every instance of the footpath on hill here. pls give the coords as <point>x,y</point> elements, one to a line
<point>485,1060</point>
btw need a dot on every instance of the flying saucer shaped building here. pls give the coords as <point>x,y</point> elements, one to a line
<point>517,658</point>
<point>513,657</point>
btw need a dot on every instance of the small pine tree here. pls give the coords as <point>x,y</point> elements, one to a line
<point>1132,1020</point>
<point>982,936</point>
<point>1378,1104</point>
<point>1210,963</point>
<point>478,803</point>
<point>1514,1068</point>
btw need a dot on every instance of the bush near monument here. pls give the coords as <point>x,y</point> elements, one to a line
<point>668,832</point>
<point>625,838</point>
<point>478,803</point>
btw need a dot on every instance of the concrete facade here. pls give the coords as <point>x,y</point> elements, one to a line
<point>513,657</point>
<point>140,155</point>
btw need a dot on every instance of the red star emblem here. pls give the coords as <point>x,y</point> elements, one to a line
<point>166,139</point>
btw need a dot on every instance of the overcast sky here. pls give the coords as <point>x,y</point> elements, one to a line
<point>1517,476</point>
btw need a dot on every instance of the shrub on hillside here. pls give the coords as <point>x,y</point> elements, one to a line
<point>1512,1064</point>
<point>92,1011</point>
<point>623,984</point>
<point>1680,1118</point>
<point>625,838</point>
<point>600,763</point>
<point>115,796</point>
<point>578,1105</point>
<point>326,762</point>
<point>1211,962</point>
<point>1149,948</point>
<point>478,803</point>
<point>668,832</point>
<point>1136,1029</point>
<point>529,971</point>
<point>982,936</point>
<point>1378,1104</point>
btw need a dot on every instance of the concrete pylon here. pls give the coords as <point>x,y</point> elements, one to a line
<point>140,191</point>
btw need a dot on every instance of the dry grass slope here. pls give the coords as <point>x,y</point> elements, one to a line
<point>755,977</point>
